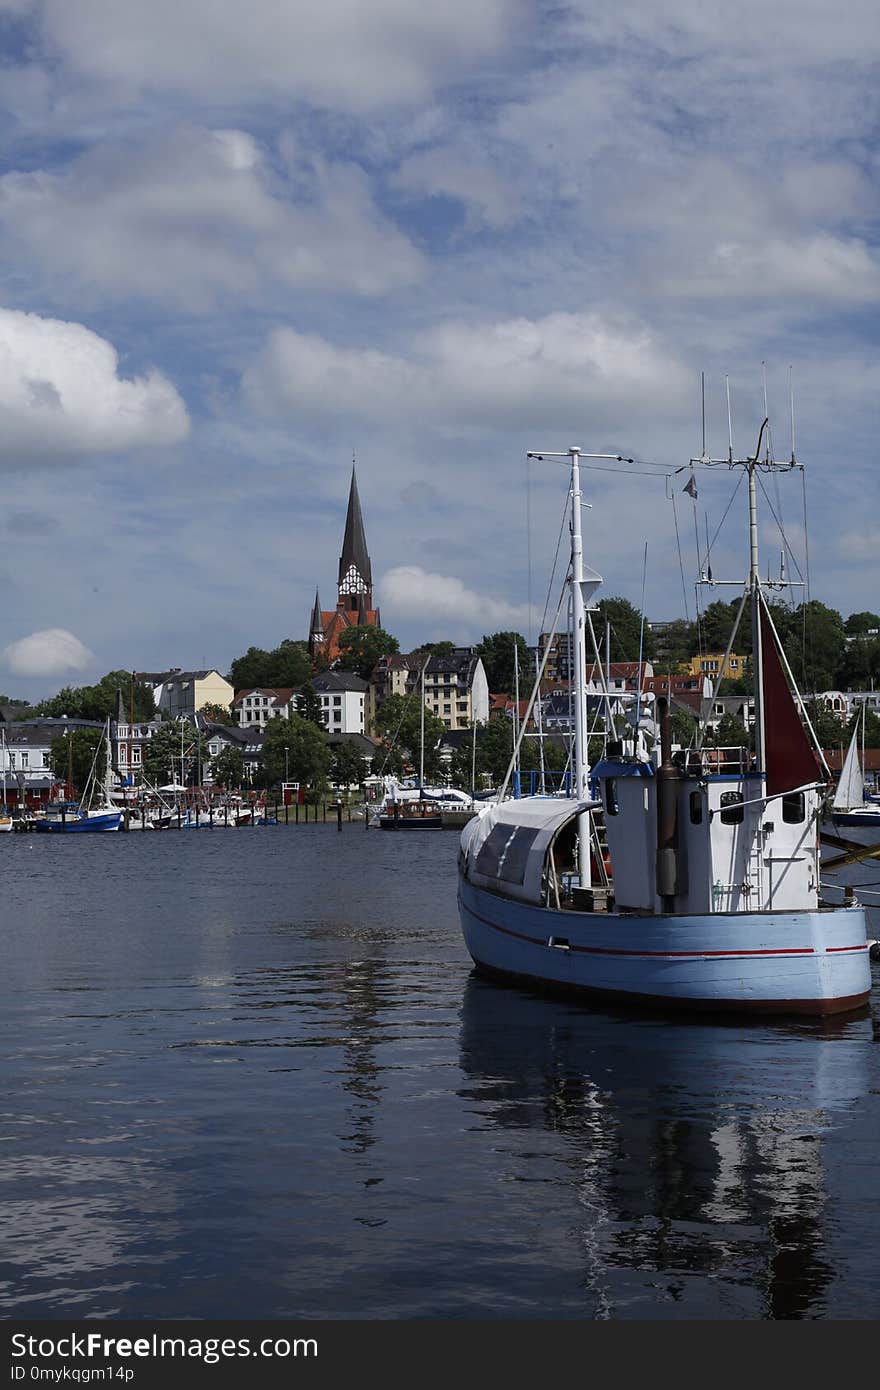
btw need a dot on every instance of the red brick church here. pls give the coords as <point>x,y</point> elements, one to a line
<point>354,604</point>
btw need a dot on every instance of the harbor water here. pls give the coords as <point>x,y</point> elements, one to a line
<point>249,1073</point>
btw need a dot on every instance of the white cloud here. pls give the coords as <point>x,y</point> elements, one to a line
<point>442,603</point>
<point>52,652</point>
<point>198,215</point>
<point>61,394</point>
<point>356,57</point>
<point>468,176</point>
<point>520,371</point>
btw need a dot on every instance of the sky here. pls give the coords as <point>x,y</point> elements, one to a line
<point>241,245</point>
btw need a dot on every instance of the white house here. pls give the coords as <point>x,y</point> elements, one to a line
<point>342,697</point>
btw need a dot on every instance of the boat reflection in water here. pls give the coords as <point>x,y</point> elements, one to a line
<point>695,1155</point>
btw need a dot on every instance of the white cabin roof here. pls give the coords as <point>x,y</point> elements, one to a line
<point>507,844</point>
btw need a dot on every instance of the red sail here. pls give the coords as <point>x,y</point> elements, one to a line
<point>789,760</point>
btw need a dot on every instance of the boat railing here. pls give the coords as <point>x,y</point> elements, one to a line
<point>730,761</point>
<point>532,782</point>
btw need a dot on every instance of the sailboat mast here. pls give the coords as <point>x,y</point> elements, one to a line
<point>755,592</point>
<point>422,743</point>
<point>581,766</point>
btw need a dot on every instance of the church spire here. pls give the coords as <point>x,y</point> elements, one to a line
<point>355,572</point>
<point>316,626</point>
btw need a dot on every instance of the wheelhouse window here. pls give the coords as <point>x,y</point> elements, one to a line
<point>794,808</point>
<point>612,805</point>
<point>696,807</point>
<point>731,808</point>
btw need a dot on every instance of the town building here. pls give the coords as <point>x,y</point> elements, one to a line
<point>392,675</point>
<point>26,758</point>
<point>342,696</point>
<point>354,589</point>
<point>181,694</point>
<point>248,741</point>
<point>253,708</point>
<point>456,688</point>
<point>710,664</point>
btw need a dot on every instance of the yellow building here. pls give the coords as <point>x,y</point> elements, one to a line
<point>710,665</point>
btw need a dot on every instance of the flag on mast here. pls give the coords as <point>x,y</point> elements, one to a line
<point>690,487</point>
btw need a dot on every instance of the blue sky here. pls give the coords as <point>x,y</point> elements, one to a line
<point>240,243</point>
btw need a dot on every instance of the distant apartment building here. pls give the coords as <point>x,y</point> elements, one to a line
<point>181,694</point>
<point>392,675</point>
<point>456,688</point>
<point>710,665</point>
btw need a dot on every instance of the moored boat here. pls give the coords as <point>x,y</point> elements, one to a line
<point>850,806</point>
<point>713,899</point>
<point>94,812</point>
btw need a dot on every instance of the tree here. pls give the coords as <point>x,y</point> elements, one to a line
<point>827,727</point>
<point>860,624</point>
<point>815,645</point>
<point>674,646</point>
<point>283,668</point>
<point>298,748</point>
<point>363,647</point>
<point>177,752</point>
<point>684,727</point>
<point>218,714</point>
<point>347,766</point>
<point>399,721</point>
<point>626,629</point>
<point>227,769</point>
<point>716,625</point>
<point>860,665</point>
<point>309,707</point>
<point>872,727</point>
<point>496,654</point>
<point>731,733</point>
<point>79,746</point>
<point>99,701</point>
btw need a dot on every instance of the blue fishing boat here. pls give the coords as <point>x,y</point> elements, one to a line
<point>682,881</point>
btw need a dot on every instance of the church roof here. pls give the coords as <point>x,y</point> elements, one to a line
<point>354,544</point>
<point>317,623</point>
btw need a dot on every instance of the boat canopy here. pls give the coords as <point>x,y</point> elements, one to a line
<point>506,847</point>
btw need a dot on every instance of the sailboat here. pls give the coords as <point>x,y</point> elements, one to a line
<point>850,806</point>
<point>94,811</point>
<point>713,897</point>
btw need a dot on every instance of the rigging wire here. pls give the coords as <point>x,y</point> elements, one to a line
<point>807,589</point>
<point>680,560</point>
<point>555,563</point>
<point>778,519</point>
<point>529,544</point>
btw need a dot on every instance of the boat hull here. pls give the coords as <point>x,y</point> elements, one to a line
<point>80,825</point>
<point>410,823</point>
<point>772,962</point>
<point>863,819</point>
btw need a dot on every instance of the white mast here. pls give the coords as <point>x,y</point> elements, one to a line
<point>755,591</point>
<point>584,582</point>
<point>422,744</point>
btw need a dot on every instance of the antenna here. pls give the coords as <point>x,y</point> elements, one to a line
<point>769,448</point>
<point>703,393</point>
<point>729,423</point>
<point>791,399</point>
